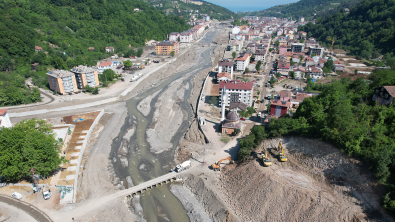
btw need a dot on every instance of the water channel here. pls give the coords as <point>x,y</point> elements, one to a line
<point>159,204</point>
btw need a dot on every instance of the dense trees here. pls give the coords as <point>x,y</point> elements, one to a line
<point>29,144</point>
<point>344,114</point>
<point>305,8</point>
<point>367,31</point>
<point>65,30</point>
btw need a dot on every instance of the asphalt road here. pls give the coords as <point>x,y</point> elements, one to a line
<point>29,209</point>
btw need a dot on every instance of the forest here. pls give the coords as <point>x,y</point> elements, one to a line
<point>367,31</point>
<point>305,8</point>
<point>213,10</point>
<point>65,29</point>
<point>344,115</point>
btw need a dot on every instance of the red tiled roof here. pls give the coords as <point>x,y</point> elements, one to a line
<point>236,85</point>
<point>285,93</point>
<point>105,64</point>
<point>244,58</point>
<point>301,96</point>
<point>222,74</point>
<point>281,103</point>
<point>390,90</point>
<point>2,111</point>
<point>38,48</point>
<point>225,63</point>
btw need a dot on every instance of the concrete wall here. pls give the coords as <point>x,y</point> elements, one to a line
<point>82,152</point>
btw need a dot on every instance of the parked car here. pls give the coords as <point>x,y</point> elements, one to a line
<point>17,195</point>
<point>242,118</point>
<point>259,114</point>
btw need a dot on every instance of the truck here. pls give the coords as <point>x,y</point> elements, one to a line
<point>47,194</point>
<point>183,166</point>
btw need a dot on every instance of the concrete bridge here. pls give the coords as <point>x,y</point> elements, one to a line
<point>146,186</point>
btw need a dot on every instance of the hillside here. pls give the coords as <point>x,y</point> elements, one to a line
<point>305,8</point>
<point>181,8</point>
<point>367,31</point>
<point>65,29</point>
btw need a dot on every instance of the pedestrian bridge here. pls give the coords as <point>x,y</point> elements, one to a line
<point>148,185</point>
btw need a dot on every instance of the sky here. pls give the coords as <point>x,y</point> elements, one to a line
<point>249,5</point>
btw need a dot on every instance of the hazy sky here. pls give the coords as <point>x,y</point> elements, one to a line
<point>249,5</point>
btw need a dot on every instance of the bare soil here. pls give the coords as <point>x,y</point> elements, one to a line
<point>317,183</point>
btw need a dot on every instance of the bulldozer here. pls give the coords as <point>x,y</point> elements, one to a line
<point>283,158</point>
<point>265,158</point>
<point>216,166</point>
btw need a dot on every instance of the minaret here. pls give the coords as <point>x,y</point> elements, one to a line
<point>223,104</point>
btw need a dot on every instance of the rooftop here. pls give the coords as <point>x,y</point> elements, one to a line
<point>225,63</point>
<point>236,85</point>
<point>222,74</point>
<point>167,43</point>
<point>2,111</point>
<point>390,90</point>
<point>244,58</point>
<point>281,103</point>
<point>105,64</point>
<point>82,69</point>
<point>239,105</point>
<point>60,73</point>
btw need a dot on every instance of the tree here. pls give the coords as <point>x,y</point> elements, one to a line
<point>271,49</point>
<point>292,74</point>
<point>128,63</point>
<point>356,71</point>
<point>95,91</point>
<point>258,65</point>
<point>278,74</point>
<point>277,43</point>
<point>268,107</point>
<point>326,70</point>
<point>213,100</point>
<point>313,54</point>
<point>172,53</point>
<point>292,62</point>
<point>272,81</point>
<point>247,70</point>
<point>140,52</point>
<point>234,55</point>
<point>107,75</point>
<point>329,65</point>
<point>29,144</point>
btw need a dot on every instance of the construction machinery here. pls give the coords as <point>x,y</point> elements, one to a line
<point>283,158</point>
<point>216,166</point>
<point>333,41</point>
<point>265,158</point>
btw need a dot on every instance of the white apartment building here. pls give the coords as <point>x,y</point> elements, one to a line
<point>4,119</point>
<point>234,92</point>
<point>242,62</point>
<point>186,36</point>
<point>226,66</point>
<point>174,36</point>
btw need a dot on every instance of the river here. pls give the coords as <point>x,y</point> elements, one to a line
<point>159,204</point>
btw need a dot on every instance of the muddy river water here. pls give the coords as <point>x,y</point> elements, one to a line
<point>159,204</point>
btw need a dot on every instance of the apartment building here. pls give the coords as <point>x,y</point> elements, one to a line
<point>297,47</point>
<point>242,62</point>
<point>174,36</point>
<point>85,76</point>
<point>186,36</point>
<point>226,66</point>
<point>166,47</point>
<point>234,92</point>
<point>62,81</point>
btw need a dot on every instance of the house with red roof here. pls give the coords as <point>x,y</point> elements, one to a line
<point>38,48</point>
<point>104,65</point>
<point>224,76</point>
<point>234,92</point>
<point>4,119</point>
<point>338,65</point>
<point>279,107</point>
<point>242,62</point>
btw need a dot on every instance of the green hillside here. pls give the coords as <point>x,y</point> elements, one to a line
<point>71,27</point>
<point>214,11</point>
<point>305,8</point>
<point>367,31</point>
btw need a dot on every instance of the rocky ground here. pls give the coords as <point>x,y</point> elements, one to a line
<point>318,183</point>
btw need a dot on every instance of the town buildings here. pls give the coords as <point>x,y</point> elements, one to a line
<point>62,81</point>
<point>174,36</point>
<point>226,66</point>
<point>315,50</point>
<point>236,92</point>
<point>110,49</point>
<point>186,36</point>
<point>231,123</point>
<point>166,47</point>
<point>5,119</point>
<point>297,47</point>
<point>242,62</point>
<point>85,76</point>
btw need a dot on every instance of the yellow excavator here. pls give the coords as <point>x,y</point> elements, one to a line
<point>283,158</point>
<point>332,39</point>
<point>265,158</point>
<point>216,166</point>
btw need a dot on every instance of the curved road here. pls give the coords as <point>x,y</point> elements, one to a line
<point>28,208</point>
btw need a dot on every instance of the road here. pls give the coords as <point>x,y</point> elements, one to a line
<point>28,208</point>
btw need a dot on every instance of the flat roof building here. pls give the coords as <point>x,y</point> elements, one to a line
<point>62,81</point>
<point>85,76</point>
<point>166,47</point>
